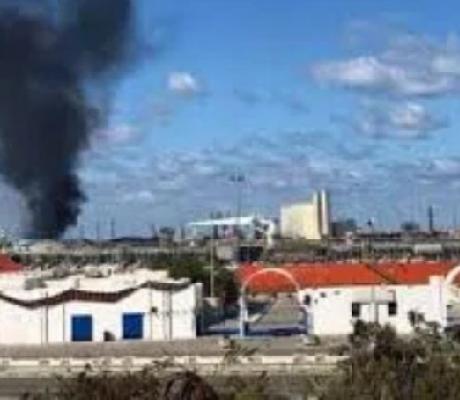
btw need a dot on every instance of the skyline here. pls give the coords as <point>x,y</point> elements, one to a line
<point>356,97</point>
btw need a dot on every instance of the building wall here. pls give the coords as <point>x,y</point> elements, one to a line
<point>309,220</point>
<point>300,221</point>
<point>330,310</point>
<point>325,213</point>
<point>167,315</point>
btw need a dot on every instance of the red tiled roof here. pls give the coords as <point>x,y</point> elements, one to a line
<point>8,265</point>
<point>341,274</point>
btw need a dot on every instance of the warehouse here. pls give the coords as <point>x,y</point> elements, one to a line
<point>333,297</point>
<point>103,306</point>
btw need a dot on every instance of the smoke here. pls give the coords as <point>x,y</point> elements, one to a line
<point>53,60</point>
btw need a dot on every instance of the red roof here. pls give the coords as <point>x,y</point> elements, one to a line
<point>341,274</point>
<point>8,265</point>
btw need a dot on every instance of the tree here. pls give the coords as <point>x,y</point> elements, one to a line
<point>410,227</point>
<point>383,366</point>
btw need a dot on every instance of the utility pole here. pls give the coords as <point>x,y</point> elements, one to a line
<point>98,230</point>
<point>238,179</point>
<point>431,219</point>
<point>112,229</point>
<point>211,266</point>
<point>82,231</point>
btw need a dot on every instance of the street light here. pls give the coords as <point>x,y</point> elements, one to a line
<point>238,179</point>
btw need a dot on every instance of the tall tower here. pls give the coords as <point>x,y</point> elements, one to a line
<point>317,215</point>
<point>325,213</point>
<point>430,219</point>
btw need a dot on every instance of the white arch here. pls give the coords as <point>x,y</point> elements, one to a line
<point>446,293</point>
<point>452,275</point>
<point>280,271</point>
<point>245,284</point>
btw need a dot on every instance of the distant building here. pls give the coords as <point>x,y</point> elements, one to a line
<point>43,246</point>
<point>250,227</point>
<point>309,220</point>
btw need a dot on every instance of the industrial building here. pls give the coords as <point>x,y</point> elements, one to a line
<point>332,297</point>
<point>101,304</point>
<point>309,220</point>
<point>250,227</point>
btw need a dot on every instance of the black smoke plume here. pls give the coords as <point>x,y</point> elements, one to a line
<point>52,59</point>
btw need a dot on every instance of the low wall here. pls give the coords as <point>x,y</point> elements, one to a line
<point>211,365</point>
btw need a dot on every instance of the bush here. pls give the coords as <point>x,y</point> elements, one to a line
<point>129,386</point>
<point>383,366</point>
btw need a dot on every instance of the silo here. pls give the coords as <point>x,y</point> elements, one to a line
<point>325,213</point>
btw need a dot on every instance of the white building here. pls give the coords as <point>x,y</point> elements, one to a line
<point>256,225</point>
<point>333,297</point>
<point>334,310</point>
<point>138,305</point>
<point>309,220</point>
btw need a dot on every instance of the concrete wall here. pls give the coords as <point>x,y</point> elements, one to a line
<point>309,220</point>
<point>301,221</point>
<point>325,213</point>
<point>167,315</point>
<point>330,310</point>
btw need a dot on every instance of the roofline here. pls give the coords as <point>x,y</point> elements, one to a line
<point>67,296</point>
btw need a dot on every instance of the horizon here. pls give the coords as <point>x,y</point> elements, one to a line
<point>355,97</point>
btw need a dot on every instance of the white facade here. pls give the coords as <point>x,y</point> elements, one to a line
<point>333,310</point>
<point>325,213</point>
<point>255,224</point>
<point>309,220</point>
<point>164,309</point>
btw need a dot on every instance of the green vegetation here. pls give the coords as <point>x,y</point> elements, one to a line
<point>196,270</point>
<point>145,385</point>
<point>180,265</point>
<point>381,366</point>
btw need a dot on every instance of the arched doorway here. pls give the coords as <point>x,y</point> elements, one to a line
<point>245,285</point>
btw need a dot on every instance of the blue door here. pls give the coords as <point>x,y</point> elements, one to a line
<point>133,326</point>
<point>82,328</point>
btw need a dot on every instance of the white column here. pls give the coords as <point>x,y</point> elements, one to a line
<point>242,314</point>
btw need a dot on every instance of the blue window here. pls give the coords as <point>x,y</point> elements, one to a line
<point>133,326</point>
<point>82,328</point>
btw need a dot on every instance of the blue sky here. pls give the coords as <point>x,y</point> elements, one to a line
<point>357,96</point>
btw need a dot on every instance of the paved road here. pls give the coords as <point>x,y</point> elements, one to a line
<point>284,312</point>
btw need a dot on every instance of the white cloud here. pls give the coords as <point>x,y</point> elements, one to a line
<point>118,135</point>
<point>400,120</point>
<point>361,72</point>
<point>440,169</point>
<point>412,117</point>
<point>409,66</point>
<point>141,196</point>
<point>183,83</point>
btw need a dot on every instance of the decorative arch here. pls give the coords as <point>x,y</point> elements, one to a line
<point>281,271</point>
<point>452,275</point>
<point>446,293</point>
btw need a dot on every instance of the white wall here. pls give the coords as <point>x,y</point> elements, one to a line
<point>330,309</point>
<point>53,324</point>
<point>301,221</point>
<point>325,213</point>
